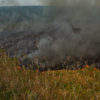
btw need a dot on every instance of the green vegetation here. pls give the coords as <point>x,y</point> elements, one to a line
<point>17,83</point>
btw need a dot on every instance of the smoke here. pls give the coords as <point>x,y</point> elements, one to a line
<point>71,2</point>
<point>57,2</point>
<point>77,37</point>
<point>64,42</point>
<point>58,32</point>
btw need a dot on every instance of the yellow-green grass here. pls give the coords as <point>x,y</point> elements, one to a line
<point>17,83</point>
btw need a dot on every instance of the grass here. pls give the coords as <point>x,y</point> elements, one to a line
<point>16,83</point>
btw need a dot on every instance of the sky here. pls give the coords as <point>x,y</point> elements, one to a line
<point>20,2</point>
<point>30,2</point>
<point>46,2</point>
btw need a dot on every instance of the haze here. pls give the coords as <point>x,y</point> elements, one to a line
<point>48,2</point>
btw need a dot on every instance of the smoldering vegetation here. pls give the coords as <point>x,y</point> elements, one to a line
<point>52,37</point>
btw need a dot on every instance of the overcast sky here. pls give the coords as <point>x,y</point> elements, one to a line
<point>45,2</point>
<point>30,2</point>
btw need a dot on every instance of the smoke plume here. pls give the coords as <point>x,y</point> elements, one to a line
<point>52,32</point>
<point>71,2</point>
<point>78,36</point>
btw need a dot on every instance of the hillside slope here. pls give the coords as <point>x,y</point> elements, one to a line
<point>17,83</point>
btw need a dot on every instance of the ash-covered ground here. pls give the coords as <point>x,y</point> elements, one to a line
<point>58,37</point>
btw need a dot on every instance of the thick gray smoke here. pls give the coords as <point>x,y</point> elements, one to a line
<point>78,36</point>
<point>52,32</point>
<point>65,41</point>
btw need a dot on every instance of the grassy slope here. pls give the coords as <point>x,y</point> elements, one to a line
<point>19,84</point>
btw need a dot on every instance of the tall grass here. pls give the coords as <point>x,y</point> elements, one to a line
<point>17,83</point>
